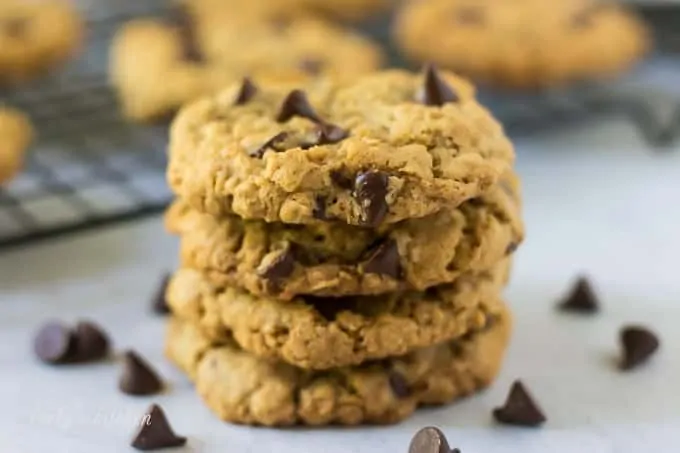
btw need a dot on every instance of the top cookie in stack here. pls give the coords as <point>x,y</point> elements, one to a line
<point>394,181</point>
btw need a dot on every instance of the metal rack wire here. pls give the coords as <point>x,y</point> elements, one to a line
<point>90,167</point>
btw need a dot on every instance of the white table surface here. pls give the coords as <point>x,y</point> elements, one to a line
<point>614,213</point>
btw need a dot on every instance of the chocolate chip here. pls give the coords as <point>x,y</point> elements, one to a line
<point>297,104</point>
<point>370,190</point>
<point>15,27</point>
<point>269,144</point>
<point>138,378</point>
<point>311,66</point>
<point>319,211</point>
<point>246,93</point>
<point>520,409</point>
<point>436,92</point>
<point>326,134</point>
<point>186,28</point>
<point>469,15</point>
<point>399,385</point>
<point>280,267</point>
<point>54,343</point>
<point>430,440</point>
<point>155,432</point>
<point>511,248</point>
<point>91,342</point>
<point>385,260</point>
<point>341,180</point>
<point>159,304</point>
<point>639,344</point>
<point>581,299</point>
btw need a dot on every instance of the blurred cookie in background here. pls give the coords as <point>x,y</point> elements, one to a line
<point>339,9</point>
<point>36,36</point>
<point>17,135</point>
<point>157,66</point>
<point>523,44</point>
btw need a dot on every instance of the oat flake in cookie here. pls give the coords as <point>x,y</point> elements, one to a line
<point>398,158</point>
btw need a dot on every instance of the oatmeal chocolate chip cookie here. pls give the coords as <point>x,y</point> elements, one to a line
<point>523,43</point>
<point>321,333</point>
<point>334,259</point>
<point>35,36</point>
<point>242,388</point>
<point>193,61</point>
<point>380,149</point>
<point>17,135</point>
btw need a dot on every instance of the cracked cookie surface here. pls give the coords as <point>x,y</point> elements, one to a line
<point>524,43</point>
<point>241,388</point>
<point>35,37</point>
<point>195,58</point>
<point>322,333</point>
<point>17,134</point>
<point>380,149</point>
<point>335,259</point>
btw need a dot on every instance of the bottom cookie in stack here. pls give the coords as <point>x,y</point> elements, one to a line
<point>243,388</point>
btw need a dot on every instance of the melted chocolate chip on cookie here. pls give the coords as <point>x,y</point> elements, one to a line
<point>384,260</point>
<point>341,180</point>
<point>436,92</point>
<point>326,134</point>
<point>399,384</point>
<point>297,104</point>
<point>270,144</point>
<point>247,91</point>
<point>187,35</point>
<point>370,190</point>
<point>280,267</point>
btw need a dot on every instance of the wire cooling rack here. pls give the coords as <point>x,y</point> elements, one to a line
<point>89,166</point>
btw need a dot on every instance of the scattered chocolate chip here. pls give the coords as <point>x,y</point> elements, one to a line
<point>399,385</point>
<point>269,144</point>
<point>159,302</point>
<point>186,28</point>
<point>311,66</point>
<point>297,104</point>
<point>91,342</point>
<point>511,248</point>
<point>639,344</point>
<point>15,27</point>
<point>138,378</point>
<point>54,343</point>
<point>246,93</point>
<point>469,16</point>
<point>430,440</point>
<point>385,260</point>
<point>341,180</point>
<point>436,92</point>
<point>155,432</point>
<point>319,211</point>
<point>370,190</point>
<point>581,298</point>
<point>280,267</point>
<point>519,409</point>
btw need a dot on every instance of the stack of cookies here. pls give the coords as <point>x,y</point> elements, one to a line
<point>344,246</point>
